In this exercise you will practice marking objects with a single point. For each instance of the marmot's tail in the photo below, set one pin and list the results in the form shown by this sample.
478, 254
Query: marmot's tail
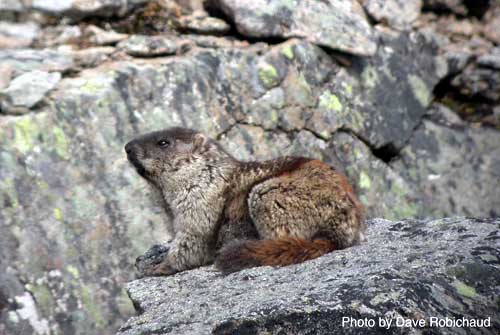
285, 251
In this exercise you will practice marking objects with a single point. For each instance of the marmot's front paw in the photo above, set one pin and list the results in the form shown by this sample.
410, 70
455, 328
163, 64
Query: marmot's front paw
162, 269
151, 259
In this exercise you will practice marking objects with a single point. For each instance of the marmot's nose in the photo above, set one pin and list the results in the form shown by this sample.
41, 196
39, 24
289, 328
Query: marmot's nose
128, 148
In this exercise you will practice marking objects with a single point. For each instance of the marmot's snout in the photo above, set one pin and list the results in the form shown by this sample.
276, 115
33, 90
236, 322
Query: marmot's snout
129, 147
131, 150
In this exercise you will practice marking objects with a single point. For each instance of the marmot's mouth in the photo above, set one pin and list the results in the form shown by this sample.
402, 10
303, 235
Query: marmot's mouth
137, 165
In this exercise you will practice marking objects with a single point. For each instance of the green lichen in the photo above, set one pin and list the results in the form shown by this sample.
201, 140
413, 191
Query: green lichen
325, 134
60, 143
464, 289
44, 299
268, 75
58, 214
73, 270
364, 181
91, 305
387, 71
25, 130
330, 101
288, 52
301, 91
420, 90
8, 190
124, 304
91, 86
369, 77
403, 208
348, 89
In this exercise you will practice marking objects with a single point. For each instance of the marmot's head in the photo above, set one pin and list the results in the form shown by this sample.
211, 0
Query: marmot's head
174, 154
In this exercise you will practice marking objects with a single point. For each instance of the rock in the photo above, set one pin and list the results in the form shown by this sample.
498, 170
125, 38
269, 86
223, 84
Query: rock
396, 13
204, 25
11, 5
100, 36
5, 75
92, 57
26, 60
214, 42
491, 60
407, 270
83, 8
53, 36
434, 167
455, 6
339, 25
492, 18
17, 35
480, 80
149, 46
27, 90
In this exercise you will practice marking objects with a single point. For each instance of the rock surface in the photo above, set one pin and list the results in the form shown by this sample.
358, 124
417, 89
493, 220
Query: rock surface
74, 215
82, 8
337, 24
407, 269
397, 13
26, 91
149, 46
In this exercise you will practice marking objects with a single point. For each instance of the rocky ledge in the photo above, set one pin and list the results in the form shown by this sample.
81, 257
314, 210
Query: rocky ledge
422, 275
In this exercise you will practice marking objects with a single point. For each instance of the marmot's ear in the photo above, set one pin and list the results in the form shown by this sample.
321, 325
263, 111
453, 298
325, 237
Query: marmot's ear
199, 141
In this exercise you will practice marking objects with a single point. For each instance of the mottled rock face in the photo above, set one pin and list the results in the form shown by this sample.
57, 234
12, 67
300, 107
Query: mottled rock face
27, 90
397, 13
336, 24
407, 269
355, 93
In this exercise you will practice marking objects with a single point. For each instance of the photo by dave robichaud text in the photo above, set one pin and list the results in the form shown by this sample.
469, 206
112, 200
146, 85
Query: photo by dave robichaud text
401, 322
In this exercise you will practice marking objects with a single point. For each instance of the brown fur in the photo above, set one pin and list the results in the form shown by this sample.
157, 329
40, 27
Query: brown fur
279, 252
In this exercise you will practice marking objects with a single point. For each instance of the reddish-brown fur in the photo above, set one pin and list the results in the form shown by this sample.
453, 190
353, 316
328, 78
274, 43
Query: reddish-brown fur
279, 252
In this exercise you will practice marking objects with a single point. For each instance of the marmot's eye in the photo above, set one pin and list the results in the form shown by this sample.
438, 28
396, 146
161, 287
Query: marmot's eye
163, 143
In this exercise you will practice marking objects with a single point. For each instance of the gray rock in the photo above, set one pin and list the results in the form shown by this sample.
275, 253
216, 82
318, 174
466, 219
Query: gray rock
396, 13
455, 6
204, 25
480, 80
82, 8
491, 60
26, 60
17, 35
338, 24
92, 57
27, 90
490, 29
431, 162
407, 270
5, 75
53, 36
149, 46
11, 5
100, 36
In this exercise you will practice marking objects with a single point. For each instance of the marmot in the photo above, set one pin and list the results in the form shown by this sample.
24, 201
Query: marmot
244, 214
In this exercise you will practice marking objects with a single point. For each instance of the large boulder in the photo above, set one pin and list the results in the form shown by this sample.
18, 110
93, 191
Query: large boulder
424, 272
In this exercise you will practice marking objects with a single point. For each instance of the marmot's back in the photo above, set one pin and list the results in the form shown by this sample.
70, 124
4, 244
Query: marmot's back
300, 214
